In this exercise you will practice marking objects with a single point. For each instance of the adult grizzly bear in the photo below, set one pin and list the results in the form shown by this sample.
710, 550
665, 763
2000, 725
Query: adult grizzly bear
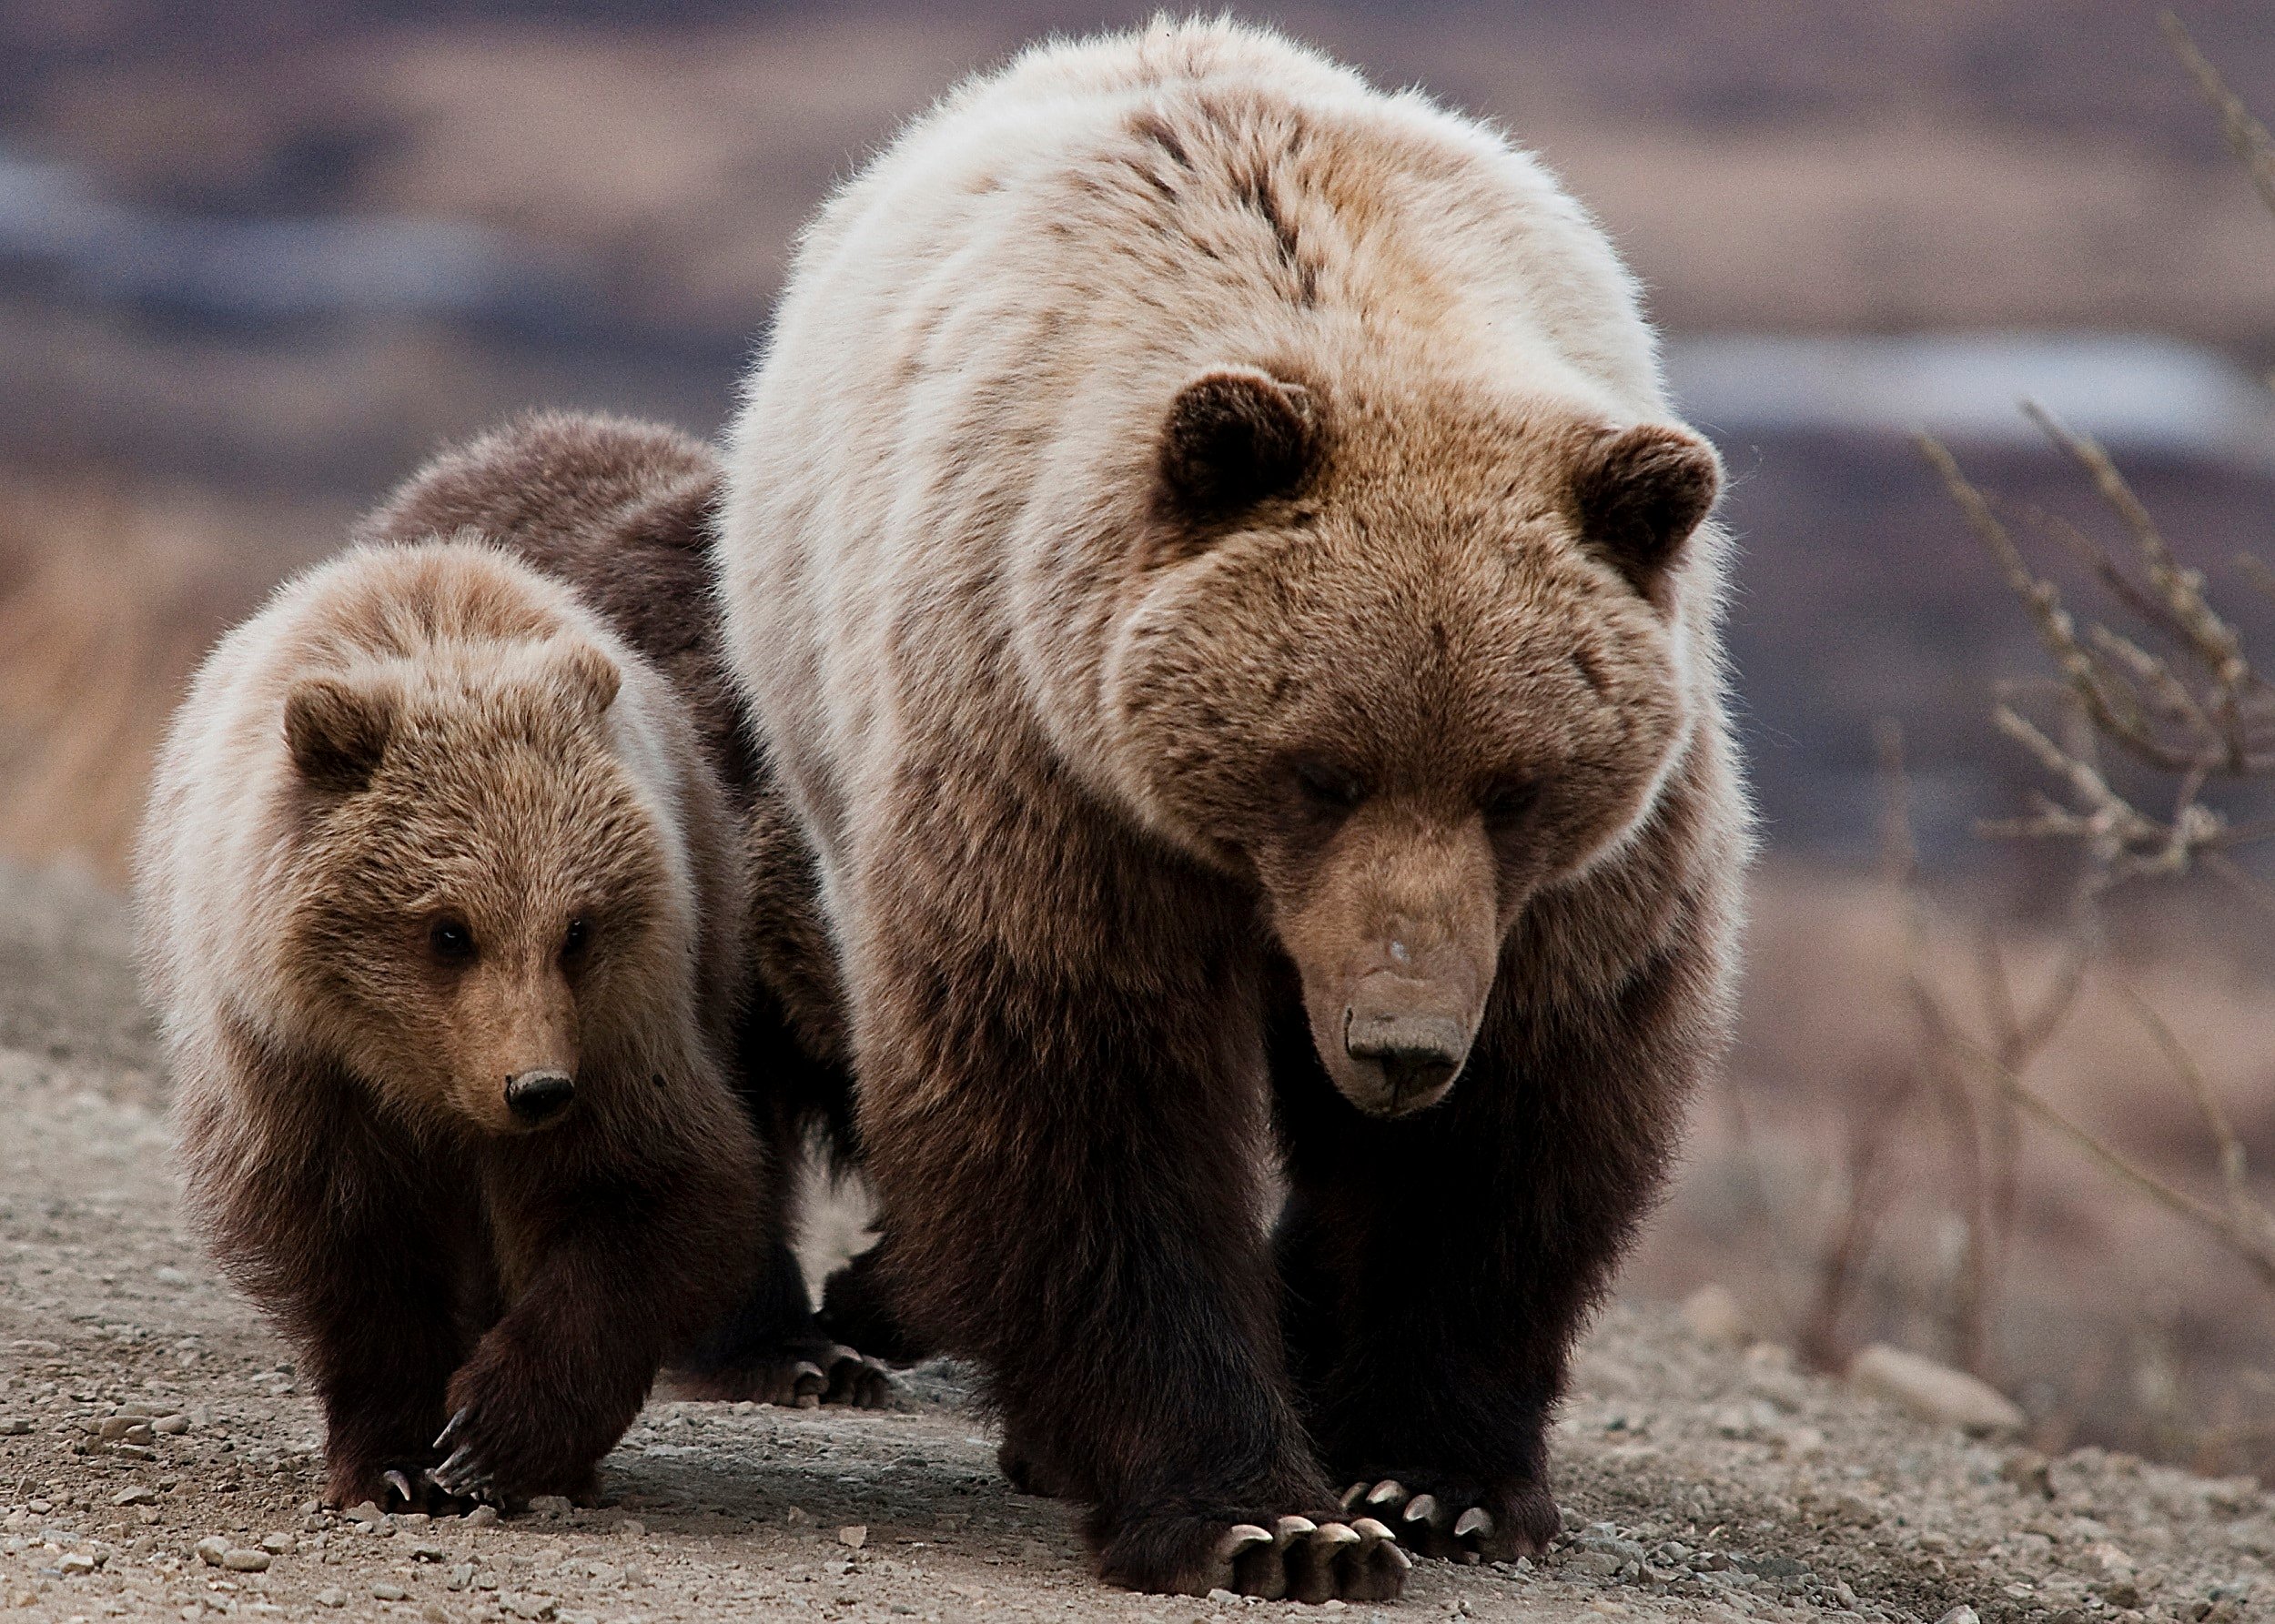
441, 910
1209, 548
619, 511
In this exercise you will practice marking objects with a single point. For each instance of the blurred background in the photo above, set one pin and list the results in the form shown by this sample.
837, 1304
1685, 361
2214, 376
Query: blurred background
259, 259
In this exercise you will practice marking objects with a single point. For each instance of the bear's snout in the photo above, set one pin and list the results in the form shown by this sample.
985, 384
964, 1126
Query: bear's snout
539, 1097
1405, 1045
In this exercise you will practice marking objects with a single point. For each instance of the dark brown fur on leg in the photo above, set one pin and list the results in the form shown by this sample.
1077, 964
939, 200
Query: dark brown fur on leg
1113, 1284
622, 1269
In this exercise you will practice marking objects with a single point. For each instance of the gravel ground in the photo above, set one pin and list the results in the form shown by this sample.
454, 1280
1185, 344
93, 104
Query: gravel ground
158, 1457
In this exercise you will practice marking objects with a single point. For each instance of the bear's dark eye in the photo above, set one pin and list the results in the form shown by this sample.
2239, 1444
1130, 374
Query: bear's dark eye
1508, 801
1327, 787
574, 939
451, 941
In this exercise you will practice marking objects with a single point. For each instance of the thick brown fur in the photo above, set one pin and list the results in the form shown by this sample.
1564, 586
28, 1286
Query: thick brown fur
619, 511
1228, 596
429, 847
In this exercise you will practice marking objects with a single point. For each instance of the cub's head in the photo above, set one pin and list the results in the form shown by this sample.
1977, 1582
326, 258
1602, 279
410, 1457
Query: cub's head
1406, 661
485, 898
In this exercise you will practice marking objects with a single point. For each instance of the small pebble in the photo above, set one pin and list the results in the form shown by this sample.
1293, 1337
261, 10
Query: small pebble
137, 1496
854, 1536
276, 1544
13, 1427
331, 1598
78, 1561
246, 1561
1961, 1614
385, 1591
481, 1517
211, 1550
170, 1275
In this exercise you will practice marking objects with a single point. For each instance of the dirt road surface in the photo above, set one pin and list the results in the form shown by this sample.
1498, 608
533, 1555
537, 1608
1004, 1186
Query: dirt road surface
159, 1459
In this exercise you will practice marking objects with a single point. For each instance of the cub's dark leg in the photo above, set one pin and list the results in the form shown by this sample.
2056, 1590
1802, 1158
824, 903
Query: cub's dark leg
369, 1274
1070, 1175
1439, 1266
615, 1270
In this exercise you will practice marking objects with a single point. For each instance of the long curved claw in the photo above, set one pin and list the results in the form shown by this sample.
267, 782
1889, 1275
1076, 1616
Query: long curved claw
1475, 1520
397, 1481
1236, 1549
1375, 1568
463, 1476
1312, 1562
451, 1428
1354, 1494
1386, 1491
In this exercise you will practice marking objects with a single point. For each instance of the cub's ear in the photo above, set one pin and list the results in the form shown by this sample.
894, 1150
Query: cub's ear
1641, 493
591, 676
337, 733
1233, 437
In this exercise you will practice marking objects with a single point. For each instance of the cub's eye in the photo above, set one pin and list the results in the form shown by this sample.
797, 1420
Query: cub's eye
574, 939
451, 941
1509, 801
1326, 786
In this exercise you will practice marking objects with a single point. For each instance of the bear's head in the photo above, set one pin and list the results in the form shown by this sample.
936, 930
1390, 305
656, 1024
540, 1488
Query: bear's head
487, 904
1406, 661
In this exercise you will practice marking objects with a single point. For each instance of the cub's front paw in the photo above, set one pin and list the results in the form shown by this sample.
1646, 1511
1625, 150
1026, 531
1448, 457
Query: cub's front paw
1290, 1557
1462, 1519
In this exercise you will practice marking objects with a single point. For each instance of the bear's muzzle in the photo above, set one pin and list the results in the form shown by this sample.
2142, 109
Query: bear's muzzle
539, 1097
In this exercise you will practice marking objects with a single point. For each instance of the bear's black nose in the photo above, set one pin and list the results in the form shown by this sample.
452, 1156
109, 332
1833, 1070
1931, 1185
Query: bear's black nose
1417, 1054
539, 1096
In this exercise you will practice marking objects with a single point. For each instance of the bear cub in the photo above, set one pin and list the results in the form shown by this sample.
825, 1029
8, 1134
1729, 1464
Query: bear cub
440, 907
619, 511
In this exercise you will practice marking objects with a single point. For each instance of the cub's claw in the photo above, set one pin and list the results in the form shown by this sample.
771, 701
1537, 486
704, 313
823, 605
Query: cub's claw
1475, 1521
401, 1486
462, 1476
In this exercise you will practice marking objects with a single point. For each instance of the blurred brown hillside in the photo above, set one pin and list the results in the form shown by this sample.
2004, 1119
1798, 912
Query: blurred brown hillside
1834, 168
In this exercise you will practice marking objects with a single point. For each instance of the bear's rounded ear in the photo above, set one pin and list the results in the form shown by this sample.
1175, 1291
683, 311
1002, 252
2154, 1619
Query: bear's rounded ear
1234, 437
337, 733
1641, 493
592, 676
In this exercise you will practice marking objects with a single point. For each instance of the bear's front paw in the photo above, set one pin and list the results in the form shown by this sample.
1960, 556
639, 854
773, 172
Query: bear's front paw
805, 1377
1463, 1520
1295, 1559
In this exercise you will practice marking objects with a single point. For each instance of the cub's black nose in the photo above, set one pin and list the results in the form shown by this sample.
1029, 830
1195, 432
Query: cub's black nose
536, 1097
